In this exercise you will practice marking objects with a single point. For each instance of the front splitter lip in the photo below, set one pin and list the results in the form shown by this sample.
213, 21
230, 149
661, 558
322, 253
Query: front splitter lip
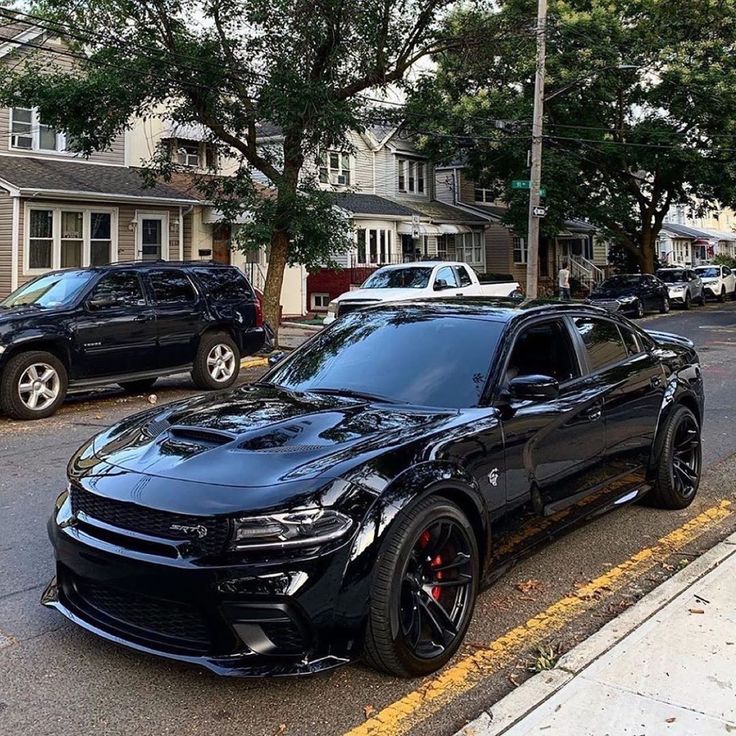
233, 666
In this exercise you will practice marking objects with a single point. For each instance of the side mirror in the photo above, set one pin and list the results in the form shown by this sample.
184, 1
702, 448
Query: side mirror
276, 357
534, 388
102, 302
440, 285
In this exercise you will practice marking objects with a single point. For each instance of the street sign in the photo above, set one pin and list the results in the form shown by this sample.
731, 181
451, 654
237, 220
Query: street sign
526, 184
539, 211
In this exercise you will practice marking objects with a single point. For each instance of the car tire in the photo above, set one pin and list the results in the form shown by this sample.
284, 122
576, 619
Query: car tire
665, 307
217, 363
677, 473
686, 304
142, 386
34, 385
404, 606
722, 295
639, 310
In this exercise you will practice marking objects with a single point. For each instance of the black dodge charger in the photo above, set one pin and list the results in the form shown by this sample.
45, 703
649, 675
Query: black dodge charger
354, 501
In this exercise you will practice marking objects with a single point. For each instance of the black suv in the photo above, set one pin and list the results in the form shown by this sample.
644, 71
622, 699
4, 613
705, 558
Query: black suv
128, 323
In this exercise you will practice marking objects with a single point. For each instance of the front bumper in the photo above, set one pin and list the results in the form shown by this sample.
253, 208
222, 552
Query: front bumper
711, 290
613, 305
248, 620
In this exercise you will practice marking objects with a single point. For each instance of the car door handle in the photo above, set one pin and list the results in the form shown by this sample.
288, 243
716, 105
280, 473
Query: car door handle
594, 414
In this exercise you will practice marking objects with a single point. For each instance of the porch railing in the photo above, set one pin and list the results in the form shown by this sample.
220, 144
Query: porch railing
585, 271
256, 274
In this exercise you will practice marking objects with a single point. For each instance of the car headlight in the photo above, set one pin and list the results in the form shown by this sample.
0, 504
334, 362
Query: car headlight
677, 289
627, 299
332, 309
307, 527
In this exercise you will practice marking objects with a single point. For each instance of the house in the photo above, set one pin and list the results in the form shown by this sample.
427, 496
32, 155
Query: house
683, 245
386, 186
506, 250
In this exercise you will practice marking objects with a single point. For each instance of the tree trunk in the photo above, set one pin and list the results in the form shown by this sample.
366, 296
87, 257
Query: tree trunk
647, 242
278, 257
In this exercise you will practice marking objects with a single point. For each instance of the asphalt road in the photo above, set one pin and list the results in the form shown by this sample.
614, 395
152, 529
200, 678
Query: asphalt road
56, 679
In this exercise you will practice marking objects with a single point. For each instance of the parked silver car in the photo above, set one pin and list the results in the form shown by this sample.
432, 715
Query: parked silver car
684, 285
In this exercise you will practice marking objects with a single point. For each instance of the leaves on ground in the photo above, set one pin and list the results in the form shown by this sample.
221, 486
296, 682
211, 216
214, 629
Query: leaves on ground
527, 586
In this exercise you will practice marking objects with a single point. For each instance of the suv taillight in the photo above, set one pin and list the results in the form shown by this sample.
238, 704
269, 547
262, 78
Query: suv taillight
259, 313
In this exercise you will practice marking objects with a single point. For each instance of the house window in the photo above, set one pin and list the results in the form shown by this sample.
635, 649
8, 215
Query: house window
520, 250
320, 301
66, 238
484, 195
334, 169
411, 176
28, 133
374, 246
187, 154
473, 247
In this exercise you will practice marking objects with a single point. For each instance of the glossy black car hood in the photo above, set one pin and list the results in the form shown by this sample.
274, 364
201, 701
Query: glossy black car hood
614, 292
259, 436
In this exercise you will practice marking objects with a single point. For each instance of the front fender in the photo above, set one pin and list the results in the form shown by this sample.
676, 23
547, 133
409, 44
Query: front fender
416, 483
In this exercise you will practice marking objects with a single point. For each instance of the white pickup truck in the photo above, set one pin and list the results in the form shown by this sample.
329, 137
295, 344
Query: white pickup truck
420, 280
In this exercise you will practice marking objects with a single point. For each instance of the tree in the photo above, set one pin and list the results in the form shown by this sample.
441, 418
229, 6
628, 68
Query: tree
301, 66
640, 112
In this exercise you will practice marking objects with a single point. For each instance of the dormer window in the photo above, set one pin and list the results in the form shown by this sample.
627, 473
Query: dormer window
28, 133
411, 176
193, 154
334, 169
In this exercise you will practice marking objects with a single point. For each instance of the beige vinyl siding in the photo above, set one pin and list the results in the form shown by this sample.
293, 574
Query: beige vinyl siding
386, 184
499, 249
126, 213
444, 186
6, 242
467, 188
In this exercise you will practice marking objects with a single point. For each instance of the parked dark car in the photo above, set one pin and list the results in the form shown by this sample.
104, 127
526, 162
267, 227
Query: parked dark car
354, 501
684, 285
632, 294
127, 324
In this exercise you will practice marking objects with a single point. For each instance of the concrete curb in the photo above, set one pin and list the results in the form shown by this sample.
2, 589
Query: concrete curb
258, 362
302, 326
511, 709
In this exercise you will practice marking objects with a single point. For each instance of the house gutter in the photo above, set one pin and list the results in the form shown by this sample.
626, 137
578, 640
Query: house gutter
67, 194
15, 243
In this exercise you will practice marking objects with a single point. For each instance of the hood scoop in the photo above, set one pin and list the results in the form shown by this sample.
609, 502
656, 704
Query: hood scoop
200, 435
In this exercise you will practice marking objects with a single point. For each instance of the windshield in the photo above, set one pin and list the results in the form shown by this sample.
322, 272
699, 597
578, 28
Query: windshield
672, 277
621, 282
52, 290
709, 271
399, 278
404, 355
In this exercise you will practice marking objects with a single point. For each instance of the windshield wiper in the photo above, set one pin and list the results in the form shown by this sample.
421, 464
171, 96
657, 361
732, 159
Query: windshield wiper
350, 393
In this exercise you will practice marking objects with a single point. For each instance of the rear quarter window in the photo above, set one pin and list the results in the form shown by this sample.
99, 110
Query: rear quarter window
224, 284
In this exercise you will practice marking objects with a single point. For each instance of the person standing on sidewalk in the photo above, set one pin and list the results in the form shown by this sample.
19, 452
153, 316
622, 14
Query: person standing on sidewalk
563, 281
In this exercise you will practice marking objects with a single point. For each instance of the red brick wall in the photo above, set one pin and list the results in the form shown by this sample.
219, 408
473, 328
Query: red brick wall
334, 283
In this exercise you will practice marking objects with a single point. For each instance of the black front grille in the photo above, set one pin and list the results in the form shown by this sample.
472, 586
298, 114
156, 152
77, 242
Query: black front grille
347, 307
151, 619
208, 535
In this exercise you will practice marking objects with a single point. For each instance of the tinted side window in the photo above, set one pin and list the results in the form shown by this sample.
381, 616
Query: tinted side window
124, 288
447, 275
464, 276
602, 341
224, 284
543, 349
172, 287
631, 341
726, 271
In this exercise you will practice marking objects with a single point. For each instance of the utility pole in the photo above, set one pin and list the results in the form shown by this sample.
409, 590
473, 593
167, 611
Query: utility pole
532, 264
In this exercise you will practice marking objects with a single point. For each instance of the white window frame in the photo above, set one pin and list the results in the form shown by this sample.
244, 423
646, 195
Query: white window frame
470, 243
35, 134
384, 245
56, 234
522, 248
332, 174
321, 296
487, 196
190, 160
141, 215
413, 172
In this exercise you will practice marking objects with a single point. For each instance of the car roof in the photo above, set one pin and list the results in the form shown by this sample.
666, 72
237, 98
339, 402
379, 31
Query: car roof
145, 266
422, 264
496, 309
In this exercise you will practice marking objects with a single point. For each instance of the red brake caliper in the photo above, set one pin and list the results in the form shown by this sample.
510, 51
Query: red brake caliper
437, 590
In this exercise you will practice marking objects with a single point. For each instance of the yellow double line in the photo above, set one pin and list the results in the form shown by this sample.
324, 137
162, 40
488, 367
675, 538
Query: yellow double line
419, 705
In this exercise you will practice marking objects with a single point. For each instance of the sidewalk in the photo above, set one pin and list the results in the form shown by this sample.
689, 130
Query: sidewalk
665, 666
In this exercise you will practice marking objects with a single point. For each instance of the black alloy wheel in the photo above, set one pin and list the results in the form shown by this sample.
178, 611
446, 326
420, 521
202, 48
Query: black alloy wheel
665, 306
424, 590
639, 309
686, 305
680, 462
722, 295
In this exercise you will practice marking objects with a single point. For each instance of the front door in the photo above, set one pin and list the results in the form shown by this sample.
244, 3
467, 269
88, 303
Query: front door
116, 333
152, 238
221, 243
